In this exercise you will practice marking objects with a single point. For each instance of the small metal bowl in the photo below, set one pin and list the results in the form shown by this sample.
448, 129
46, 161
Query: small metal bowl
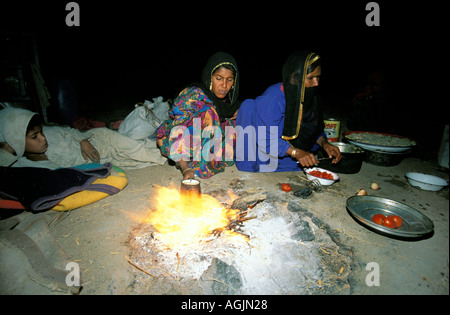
425, 181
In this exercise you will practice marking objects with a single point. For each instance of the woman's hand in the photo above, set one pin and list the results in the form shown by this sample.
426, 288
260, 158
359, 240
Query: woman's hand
89, 152
160, 142
306, 159
333, 152
188, 173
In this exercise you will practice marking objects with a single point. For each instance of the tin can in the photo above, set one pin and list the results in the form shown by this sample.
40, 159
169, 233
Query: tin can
190, 190
332, 128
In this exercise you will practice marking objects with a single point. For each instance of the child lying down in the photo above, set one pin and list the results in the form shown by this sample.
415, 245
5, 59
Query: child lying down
25, 142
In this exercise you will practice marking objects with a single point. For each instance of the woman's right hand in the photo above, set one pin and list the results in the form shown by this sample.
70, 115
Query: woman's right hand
306, 159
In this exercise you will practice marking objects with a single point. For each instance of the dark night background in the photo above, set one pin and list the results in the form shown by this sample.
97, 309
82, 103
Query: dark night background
124, 52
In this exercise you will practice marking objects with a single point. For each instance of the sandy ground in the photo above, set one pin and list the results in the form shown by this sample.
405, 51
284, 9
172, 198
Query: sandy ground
99, 236
323, 249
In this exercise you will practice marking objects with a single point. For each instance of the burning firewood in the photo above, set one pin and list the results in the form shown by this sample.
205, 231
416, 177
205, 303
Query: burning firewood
180, 222
243, 202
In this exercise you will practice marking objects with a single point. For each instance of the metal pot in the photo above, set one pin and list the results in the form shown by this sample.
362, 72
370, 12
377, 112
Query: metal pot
352, 158
384, 158
190, 190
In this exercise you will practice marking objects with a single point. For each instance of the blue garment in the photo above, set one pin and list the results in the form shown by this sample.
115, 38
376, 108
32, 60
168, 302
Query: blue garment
259, 126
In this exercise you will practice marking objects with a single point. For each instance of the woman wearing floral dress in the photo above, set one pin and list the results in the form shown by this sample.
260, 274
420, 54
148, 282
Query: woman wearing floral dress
199, 134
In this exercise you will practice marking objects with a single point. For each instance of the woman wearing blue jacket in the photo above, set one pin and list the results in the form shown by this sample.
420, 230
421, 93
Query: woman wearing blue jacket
279, 130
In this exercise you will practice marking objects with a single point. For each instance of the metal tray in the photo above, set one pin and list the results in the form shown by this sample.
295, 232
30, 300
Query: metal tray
415, 224
379, 148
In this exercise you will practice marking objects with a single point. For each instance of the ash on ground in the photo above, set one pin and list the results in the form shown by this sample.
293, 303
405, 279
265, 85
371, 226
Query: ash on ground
287, 254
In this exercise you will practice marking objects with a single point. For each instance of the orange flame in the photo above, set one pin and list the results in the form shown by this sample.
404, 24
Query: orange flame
181, 222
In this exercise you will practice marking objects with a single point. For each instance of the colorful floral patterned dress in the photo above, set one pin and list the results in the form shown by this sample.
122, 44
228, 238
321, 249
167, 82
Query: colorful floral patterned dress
194, 133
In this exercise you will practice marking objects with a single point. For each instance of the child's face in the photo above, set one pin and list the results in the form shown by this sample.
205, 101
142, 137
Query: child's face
35, 141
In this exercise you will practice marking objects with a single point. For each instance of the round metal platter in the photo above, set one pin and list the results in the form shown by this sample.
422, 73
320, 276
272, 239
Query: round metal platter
363, 208
381, 149
378, 148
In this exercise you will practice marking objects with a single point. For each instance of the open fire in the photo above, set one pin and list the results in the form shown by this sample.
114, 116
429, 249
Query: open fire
198, 219
203, 246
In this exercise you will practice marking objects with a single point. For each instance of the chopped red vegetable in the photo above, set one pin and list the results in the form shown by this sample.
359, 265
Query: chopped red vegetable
324, 175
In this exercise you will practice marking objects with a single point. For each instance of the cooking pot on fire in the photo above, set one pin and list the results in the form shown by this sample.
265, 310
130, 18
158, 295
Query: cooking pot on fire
190, 190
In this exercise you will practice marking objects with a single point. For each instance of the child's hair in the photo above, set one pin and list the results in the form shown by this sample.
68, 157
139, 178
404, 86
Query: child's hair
34, 121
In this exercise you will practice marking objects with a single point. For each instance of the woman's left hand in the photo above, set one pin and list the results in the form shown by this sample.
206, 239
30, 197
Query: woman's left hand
189, 174
333, 152
89, 151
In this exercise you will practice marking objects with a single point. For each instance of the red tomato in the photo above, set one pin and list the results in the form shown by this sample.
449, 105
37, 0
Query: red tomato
388, 222
324, 175
378, 218
286, 187
397, 220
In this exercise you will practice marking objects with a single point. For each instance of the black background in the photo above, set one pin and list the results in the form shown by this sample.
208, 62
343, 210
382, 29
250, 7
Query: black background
136, 50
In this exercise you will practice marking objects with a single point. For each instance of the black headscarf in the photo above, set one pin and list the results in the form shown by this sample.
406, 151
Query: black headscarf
303, 122
225, 107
